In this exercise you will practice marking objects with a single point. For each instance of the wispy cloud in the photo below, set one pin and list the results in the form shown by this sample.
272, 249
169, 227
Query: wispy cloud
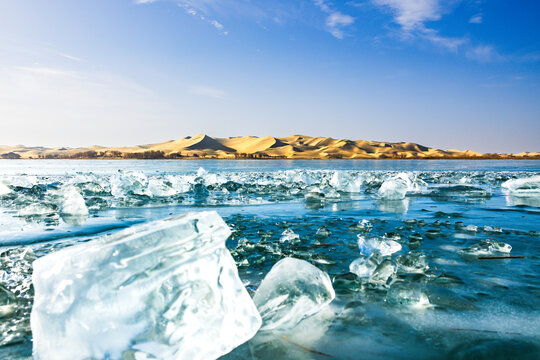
80, 102
46, 71
198, 13
450, 43
483, 54
70, 57
412, 16
477, 19
197, 9
335, 21
207, 91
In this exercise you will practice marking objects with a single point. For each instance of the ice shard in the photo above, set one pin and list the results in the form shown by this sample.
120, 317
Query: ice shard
395, 187
385, 246
167, 289
364, 266
72, 202
292, 290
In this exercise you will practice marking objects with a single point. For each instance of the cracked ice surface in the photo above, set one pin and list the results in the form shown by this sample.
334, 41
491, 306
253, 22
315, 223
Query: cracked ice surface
167, 289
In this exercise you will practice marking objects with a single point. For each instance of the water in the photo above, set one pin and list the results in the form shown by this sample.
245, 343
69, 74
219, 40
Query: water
433, 298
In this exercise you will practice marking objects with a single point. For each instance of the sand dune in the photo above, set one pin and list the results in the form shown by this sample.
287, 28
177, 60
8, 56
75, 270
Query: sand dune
291, 147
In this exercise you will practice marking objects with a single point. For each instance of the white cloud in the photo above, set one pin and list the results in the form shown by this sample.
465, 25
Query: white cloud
335, 21
477, 19
412, 14
449, 43
207, 91
144, 1
483, 54
197, 13
218, 26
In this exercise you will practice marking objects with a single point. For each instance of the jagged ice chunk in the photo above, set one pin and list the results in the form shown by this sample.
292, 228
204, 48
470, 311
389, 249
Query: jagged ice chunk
292, 290
167, 289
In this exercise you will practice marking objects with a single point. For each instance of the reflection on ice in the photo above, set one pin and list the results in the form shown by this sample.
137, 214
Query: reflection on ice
393, 206
299, 342
533, 201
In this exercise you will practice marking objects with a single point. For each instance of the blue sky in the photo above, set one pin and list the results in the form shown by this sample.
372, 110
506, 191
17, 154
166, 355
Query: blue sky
447, 74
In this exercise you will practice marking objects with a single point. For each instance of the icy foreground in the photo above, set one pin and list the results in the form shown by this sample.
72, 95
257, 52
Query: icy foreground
167, 289
292, 290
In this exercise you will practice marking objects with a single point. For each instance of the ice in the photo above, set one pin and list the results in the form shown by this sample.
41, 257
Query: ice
129, 183
15, 295
496, 349
383, 246
314, 195
492, 229
323, 232
407, 294
73, 203
364, 266
289, 236
201, 172
38, 209
383, 272
4, 189
412, 262
529, 186
292, 290
167, 289
346, 182
487, 247
396, 187
365, 225
158, 187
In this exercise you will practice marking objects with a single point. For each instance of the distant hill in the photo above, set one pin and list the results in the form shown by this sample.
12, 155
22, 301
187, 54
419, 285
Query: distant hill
253, 147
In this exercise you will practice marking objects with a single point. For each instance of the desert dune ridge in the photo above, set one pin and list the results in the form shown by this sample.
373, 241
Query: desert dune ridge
203, 146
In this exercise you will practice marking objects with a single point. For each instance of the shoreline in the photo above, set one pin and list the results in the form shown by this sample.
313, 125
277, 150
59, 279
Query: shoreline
301, 147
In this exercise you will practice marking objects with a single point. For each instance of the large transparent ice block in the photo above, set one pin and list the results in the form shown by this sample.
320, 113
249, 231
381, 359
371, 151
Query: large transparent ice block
167, 289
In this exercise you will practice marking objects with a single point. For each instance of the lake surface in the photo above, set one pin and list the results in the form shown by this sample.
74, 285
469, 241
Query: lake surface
446, 296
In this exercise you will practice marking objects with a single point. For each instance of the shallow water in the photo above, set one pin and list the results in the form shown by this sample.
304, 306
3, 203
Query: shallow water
451, 304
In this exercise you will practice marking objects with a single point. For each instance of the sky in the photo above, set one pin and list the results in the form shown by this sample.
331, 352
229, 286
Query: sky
450, 74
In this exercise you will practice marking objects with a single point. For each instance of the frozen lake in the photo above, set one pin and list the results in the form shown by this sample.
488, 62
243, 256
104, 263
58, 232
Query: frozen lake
446, 295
